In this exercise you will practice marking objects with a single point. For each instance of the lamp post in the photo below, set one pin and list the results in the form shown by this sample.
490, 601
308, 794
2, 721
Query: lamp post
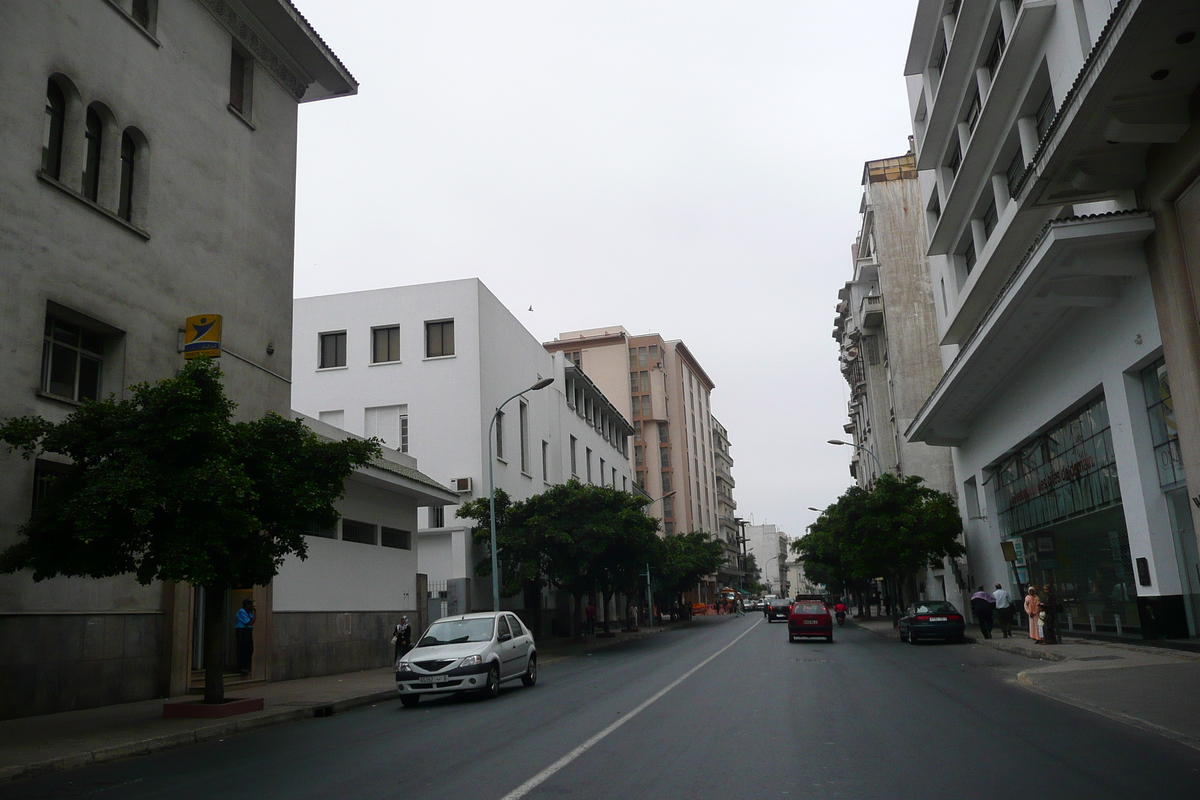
878, 463
542, 384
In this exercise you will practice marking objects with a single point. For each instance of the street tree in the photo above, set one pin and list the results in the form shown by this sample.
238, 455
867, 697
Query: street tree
685, 559
166, 486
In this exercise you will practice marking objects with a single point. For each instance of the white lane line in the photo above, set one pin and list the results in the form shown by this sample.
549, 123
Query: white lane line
531, 784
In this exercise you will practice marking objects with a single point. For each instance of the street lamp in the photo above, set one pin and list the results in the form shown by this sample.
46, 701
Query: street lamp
542, 384
878, 463
819, 511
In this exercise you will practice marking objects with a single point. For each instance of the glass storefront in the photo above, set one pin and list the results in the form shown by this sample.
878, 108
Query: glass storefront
1058, 497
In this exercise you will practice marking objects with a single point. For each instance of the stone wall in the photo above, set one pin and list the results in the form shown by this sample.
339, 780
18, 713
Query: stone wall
309, 643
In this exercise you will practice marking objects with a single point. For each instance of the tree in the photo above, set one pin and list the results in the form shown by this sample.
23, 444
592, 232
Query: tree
889, 531
686, 558
166, 486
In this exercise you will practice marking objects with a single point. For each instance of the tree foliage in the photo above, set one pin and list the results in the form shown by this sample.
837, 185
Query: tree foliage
688, 557
166, 486
889, 531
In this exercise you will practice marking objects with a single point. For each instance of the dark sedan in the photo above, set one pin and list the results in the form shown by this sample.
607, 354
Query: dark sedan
778, 609
810, 618
932, 619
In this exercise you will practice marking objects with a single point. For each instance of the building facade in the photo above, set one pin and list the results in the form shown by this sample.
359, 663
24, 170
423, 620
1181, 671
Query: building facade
150, 176
1035, 123
769, 547
424, 368
729, 530
886, 328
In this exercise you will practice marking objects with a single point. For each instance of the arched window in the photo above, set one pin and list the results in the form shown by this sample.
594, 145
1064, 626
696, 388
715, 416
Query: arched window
128, 151
91, 167
52, 137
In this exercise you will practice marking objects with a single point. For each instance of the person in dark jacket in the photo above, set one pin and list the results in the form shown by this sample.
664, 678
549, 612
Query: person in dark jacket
402, 637
982, 606
1050, 606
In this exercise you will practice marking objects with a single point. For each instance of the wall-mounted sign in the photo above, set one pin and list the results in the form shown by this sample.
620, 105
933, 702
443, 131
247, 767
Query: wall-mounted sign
202, 336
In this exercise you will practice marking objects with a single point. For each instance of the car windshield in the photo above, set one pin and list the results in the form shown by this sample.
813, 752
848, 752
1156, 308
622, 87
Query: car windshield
934, 607
808, 607
457, 631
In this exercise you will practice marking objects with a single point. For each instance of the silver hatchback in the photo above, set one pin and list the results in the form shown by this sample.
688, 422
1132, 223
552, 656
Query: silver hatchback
471, 652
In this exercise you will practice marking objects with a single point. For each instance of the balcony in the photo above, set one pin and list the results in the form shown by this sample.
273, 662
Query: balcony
870, 311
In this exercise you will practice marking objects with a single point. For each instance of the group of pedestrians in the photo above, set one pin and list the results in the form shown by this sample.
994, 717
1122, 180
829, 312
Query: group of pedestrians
1041, 609
989, 607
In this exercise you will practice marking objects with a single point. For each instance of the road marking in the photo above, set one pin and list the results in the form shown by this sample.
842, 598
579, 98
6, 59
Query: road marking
531, 784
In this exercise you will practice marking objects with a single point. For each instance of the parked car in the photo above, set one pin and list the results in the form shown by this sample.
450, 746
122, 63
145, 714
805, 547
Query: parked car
932, 619
809, 618
471, 652
778, 608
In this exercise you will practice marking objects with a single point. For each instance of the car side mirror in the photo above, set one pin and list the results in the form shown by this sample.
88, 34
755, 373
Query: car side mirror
504, 637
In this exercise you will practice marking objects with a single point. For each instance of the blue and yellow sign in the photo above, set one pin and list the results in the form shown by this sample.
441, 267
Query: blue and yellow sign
202, 336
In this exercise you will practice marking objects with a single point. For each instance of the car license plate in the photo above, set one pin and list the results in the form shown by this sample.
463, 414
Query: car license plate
937, 619
431, 679
810, 622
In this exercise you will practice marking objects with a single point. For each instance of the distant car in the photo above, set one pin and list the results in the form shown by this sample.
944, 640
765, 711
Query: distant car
756, 604
932, 619
471, 652
809, 618
778, 609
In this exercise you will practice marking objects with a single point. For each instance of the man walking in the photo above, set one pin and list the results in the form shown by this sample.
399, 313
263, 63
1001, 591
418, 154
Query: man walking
1004, 610
981, 605
243, 630
590, 614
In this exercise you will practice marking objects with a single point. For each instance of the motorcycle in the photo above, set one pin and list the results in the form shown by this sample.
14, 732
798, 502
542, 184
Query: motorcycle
841, 618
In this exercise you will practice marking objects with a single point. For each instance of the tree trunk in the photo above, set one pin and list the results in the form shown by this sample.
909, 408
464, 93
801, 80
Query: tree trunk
214, 644
576, 620
607, 599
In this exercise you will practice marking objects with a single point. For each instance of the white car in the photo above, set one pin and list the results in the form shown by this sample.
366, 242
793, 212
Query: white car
471, 652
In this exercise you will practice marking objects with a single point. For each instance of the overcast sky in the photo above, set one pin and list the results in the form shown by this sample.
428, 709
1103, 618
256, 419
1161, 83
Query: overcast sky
688, 168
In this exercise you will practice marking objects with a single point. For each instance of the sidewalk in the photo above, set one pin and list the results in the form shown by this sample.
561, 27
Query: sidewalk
1151, 688
31, 745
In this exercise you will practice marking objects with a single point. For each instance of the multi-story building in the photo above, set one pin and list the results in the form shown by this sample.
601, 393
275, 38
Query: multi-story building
424, 368
769, 546
149, 175
733, 574
886, 327
1044, 130
666, 393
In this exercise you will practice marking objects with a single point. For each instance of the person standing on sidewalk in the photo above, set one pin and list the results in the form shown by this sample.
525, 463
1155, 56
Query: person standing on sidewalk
1032, 608
243, 630
402, 638
981, 606
589, 614
1050, 612
1004, 610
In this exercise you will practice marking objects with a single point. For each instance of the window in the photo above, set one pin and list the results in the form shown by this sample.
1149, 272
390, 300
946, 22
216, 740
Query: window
639, 478
499, 423
523, 420
669, 528
125, 202
935, 207
614, 478
663, 436
72, 357
955, 160
317, 529
94, 134
439, 338
355, 531
574, 460
996, 51
638, 458
385, 344
575, 357
545, 461
241, 77
973, 111
969, 257
1164, 434
403, 448
140, 11
989, 219
394, 537
45, 473
668, 507
333, 350
1016, 168
1045, 115
587, 454
52, 135
666, 482
437, 517
389, 424
664, 458
939, 55
602, 472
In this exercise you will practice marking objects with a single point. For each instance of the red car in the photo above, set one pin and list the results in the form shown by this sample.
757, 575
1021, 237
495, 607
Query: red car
809, 618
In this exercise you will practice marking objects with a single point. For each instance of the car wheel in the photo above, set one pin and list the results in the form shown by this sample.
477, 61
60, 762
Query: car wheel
491, 689
409, 700
791, 638
829, 638
912, 637
530, 676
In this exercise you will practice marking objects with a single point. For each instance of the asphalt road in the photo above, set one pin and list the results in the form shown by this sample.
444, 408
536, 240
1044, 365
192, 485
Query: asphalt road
724, 709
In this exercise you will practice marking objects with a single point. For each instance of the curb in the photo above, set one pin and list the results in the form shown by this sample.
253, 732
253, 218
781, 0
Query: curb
170, 741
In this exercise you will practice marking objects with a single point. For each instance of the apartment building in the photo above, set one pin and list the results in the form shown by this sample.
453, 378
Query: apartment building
886, 329
424, 368
733, 573
769, 546
1043, 131
150, 175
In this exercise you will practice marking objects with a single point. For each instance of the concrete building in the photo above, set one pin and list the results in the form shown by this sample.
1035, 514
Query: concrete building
734, 572
886, 327
150, 176
424, 367
1036, 126
769, 546
663, 389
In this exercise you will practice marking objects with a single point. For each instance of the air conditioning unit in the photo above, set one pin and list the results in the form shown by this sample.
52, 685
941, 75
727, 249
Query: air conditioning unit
462, 485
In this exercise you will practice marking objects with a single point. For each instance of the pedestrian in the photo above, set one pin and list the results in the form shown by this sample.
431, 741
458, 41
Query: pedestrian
1032, 609
402, 637
741, 610
243, 630
981, 606
590, 614
1050, 616
1004, 610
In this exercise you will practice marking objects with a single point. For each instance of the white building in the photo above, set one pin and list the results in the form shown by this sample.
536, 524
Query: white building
769, 546
149, 175
1054, 398
424, 367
